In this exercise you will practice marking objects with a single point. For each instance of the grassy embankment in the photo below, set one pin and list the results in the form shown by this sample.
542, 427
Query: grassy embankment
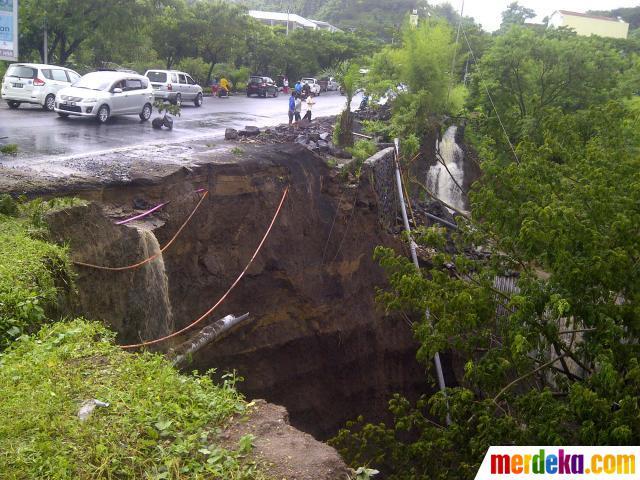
159, 424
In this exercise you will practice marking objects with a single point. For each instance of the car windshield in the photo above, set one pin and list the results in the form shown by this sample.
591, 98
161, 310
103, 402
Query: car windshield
21, 71
94, 81
255, 80
308, 80
160, 77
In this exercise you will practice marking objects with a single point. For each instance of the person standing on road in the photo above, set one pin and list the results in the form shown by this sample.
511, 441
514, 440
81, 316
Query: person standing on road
298, 87
310, 104
298, 108
225, 87
292, 106
285, 85
306, 90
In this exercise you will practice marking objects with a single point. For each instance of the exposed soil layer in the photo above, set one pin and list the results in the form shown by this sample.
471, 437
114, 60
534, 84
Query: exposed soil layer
318, 343
288, 453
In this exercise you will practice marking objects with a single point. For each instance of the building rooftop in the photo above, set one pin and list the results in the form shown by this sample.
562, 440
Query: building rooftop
282, 17
320, 23
586, 15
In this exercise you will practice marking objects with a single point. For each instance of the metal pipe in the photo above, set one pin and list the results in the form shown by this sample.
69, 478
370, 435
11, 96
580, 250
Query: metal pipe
403, 207
209, 334
414, 256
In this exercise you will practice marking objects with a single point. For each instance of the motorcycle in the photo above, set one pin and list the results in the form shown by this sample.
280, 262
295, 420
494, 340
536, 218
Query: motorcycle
223, 93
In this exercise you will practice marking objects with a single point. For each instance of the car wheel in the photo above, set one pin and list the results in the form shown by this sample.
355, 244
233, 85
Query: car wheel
275, 93
248, 94
13, 104
103, 114
145, 115
198, 101
178, 100
49, 103
63, 115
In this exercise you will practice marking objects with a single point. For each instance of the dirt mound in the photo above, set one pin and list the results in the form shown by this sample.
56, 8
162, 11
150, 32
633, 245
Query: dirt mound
290, 454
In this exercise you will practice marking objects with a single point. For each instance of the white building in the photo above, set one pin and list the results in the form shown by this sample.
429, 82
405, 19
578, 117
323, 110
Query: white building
291, 21
326, 26
586, 25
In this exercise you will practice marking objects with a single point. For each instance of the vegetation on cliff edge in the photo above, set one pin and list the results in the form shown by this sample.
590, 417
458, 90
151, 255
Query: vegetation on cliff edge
159, 424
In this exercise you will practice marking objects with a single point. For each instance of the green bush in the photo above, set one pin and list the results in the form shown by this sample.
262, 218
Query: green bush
159, 424
197, 68
363, 149
8, 206
239, 75
378, 128
223, 70
33, 274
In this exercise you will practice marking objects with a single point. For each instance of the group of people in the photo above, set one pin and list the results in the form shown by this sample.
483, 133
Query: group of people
221, 88
300, 88
295, 106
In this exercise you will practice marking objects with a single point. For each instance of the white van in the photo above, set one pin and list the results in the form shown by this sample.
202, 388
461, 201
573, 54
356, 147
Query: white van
35, 83
175, 87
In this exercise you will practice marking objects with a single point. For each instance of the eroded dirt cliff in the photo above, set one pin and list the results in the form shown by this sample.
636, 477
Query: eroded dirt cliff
318, 343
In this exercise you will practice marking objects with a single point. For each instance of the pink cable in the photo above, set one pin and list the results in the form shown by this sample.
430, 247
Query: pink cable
223, 298
148, 212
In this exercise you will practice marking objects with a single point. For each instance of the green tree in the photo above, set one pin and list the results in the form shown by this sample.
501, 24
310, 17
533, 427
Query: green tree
530, 74
553, 359
515, 14
172, 32
348, 75
553, 362
221, 31
71, 23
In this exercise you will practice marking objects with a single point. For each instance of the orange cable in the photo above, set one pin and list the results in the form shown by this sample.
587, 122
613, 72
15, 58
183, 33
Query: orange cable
222, 299
154, 256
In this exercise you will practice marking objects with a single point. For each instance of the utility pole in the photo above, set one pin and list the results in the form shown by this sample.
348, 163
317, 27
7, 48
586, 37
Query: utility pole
45, 43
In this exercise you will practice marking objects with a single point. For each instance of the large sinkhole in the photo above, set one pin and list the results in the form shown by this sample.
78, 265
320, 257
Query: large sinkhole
317, 342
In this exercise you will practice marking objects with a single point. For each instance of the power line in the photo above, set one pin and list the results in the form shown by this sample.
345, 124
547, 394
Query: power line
515, 155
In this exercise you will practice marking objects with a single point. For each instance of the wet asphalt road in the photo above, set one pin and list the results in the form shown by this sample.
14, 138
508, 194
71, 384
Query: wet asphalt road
45, 136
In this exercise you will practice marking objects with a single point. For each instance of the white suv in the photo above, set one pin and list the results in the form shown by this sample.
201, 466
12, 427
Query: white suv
175, 87
35, 83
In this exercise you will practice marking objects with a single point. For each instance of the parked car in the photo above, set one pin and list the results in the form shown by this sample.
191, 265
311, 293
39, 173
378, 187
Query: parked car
105, 94
261, 86
313, 83
175, 87
35, 83
328, 84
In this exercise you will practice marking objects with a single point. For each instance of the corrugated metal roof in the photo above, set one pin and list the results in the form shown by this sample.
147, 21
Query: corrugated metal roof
282, 17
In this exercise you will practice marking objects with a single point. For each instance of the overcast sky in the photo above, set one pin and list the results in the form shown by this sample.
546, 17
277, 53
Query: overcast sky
487, 12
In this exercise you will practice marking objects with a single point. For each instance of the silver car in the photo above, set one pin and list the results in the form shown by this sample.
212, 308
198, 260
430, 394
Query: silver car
175, 87
105, 94
35, 83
